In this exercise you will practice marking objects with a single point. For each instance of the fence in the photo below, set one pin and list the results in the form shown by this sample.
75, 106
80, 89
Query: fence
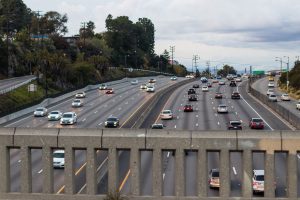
136, 141
291, 117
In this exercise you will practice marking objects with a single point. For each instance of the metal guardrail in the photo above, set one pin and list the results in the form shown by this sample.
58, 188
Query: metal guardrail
292, 118
16, 86
136, 141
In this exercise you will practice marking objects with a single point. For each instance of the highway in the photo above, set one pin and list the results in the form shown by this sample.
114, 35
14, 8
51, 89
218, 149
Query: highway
13, 82
262, 86
128, 98
205, 117
97, 107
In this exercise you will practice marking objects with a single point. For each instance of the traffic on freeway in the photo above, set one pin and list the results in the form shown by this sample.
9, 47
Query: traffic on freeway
195, 106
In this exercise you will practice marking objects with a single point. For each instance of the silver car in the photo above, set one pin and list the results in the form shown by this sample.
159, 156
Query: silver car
68, 118
77, 103
222, 109
40, 112
273, 97
54, 115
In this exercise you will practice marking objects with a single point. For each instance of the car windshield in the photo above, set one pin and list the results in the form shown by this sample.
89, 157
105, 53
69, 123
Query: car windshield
188, 106
39, 109
215, 174
272, 95
260, 178
58, 155
80, 93
103, 85
112, 119
54, 113
157, 126
67, 116
257, 120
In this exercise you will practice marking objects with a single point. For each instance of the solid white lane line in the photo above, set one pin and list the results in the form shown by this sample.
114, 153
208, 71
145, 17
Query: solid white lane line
40, 171
234, 170
255, 111
168, 155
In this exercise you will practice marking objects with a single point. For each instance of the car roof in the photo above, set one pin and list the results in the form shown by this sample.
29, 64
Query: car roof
235, 121
259, 172
166, 111
221, 105
69, 113
40, 108
256, 118
54, 111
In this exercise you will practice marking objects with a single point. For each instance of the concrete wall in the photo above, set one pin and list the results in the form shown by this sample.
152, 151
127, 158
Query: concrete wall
137, 140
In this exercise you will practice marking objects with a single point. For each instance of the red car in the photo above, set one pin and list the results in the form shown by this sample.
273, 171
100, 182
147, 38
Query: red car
218, 95
109, 91
256, 123
209, 84
188, 108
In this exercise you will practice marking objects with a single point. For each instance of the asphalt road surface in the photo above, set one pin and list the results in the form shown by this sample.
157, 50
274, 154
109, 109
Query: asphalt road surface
127, 99
8, 83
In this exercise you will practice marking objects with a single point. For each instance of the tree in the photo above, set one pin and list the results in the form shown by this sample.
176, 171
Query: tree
50, 23
226, 70
88, 30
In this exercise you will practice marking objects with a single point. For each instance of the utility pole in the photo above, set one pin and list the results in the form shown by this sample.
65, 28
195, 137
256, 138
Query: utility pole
84, 24
38, 24
7, 42
172, 49
287, 72
208, 64
195, 59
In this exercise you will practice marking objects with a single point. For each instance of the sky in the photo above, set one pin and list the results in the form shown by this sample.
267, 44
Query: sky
235, 32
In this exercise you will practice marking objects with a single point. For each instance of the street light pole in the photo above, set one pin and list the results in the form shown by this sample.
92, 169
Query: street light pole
287, 72
280, 60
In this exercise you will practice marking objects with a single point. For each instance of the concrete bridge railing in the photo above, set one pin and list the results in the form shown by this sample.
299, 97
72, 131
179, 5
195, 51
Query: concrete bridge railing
138, 140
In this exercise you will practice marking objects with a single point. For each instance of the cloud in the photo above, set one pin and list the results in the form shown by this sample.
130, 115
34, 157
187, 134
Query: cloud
214, 28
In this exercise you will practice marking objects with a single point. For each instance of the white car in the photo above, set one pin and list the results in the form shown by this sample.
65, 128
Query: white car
222, 108
221, 83
204, 88
68, 118
271, 84
285, 97
150, 88
166, 114
270, 91
273, 97
258, 181
103, 86
134, 82
40, 112
54, 115
59, 159
77, 103
238, 80
143, 86
80, 95
173, 78
298, 105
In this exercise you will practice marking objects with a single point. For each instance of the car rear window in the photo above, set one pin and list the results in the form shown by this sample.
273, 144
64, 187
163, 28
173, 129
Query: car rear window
235, 123
40, 109
112, 119
54, 113
166, 112
257, 120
